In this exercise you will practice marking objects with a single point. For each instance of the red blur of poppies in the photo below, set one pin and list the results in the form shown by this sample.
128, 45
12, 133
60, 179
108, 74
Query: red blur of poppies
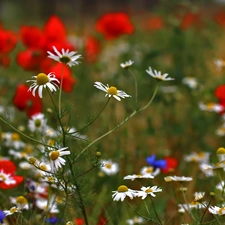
220, 94
190, 19
25, 101
92, 48
171, 164
38, 41
114, 25
154, 23
8, 167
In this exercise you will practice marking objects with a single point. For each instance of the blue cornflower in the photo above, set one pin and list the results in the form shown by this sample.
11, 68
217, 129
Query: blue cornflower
53, 220
2, 216
161, 163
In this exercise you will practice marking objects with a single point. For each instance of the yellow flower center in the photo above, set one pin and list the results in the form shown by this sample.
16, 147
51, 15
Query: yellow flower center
42, 79
108, 165
210, 105
149, 170
15, 137
221, 210
220, 150
149, 190
32, 160
65, 59
122, 188
37, 123
21, 200
2, 177
54, 155
43, 167
13, 209
112, 90
51, 179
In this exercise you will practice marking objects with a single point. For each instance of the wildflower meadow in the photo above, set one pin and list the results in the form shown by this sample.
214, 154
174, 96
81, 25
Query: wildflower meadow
114, 118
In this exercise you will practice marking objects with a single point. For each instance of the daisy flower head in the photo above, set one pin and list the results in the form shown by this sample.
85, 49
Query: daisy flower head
109, 167
111, 91
127, 64
221, 154
68, 57
191, 82
42, 81
122, 192
157, 75
145, 191
56, 160
37, 123
150, 170
198, 196
211, 107
217, 210
138, 176
177, 178
135, 220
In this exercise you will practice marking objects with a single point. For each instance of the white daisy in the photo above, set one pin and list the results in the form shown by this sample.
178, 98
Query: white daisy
126, 64
6, 178
200, 157
37, 123
177, 178
191, 82
138, 176
42, 81
122, 192
198, 196
207, 169
157, 75
111, 91
211, 107
219, 64
221, 154
221, 130
217, 210
11, 211
67, 57
47, 205
56, 161
220, 186
109, 167
145, 191
150, 170
135, 220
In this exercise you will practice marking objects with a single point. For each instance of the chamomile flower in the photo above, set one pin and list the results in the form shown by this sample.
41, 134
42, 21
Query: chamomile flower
56, 160
219, 64
111, 91
217, 210
150, 170
191, 82
11, 211
37, 123
68, 57
198, 196
177, 178
126, 64
135, 220
42, 81
109, 167
200, 157
123, 192
211, 107
145, 191
6, 178
138, 176
157, 75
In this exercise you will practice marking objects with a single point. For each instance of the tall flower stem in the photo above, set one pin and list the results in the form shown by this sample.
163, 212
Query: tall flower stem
153, 206
120, 124
60, 90
135, 88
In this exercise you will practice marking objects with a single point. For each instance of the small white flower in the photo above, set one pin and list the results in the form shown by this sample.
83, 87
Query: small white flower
42, 81
111, 91
122, 192
109, 167
126, 64
221, 130
150, 170
157, 75
6, 178
200, 157
220, 186
138, 176
198, 196
37, 123
219, 64
67, 57
13, 210
207, 169
56, 161
145, 191
217, 210
47, 205
191, 82
211, 107
177, 178
135, 220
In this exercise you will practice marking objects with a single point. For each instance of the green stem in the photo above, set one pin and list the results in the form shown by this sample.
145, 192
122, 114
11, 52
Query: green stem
60, 90
135, 88
120, 124
153, 206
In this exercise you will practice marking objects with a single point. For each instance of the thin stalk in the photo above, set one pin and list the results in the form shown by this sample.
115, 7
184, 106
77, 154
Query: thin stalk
135, 88
60, 90
153, 206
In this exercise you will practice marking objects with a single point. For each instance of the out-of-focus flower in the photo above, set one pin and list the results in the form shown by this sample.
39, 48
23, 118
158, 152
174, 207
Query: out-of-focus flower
92, 48
220, 186
2, 216
42, 81
135, 220
8, 41
47, 205
190, 19
219, 64
150, 170
198, 196
211, 107
207, 169
217, 210
111, 91
171, 164
191, 82
25, 101
220, 94
123, 192
109, 167
161, 163
221, 154
37, 123
220, 17
138, 176
67, 57
68, 81
56, 160
113, 25
200, 157
154, 23
177, 178
157, 75
221, 130
79, 221
145, 191
127, 64
8, 179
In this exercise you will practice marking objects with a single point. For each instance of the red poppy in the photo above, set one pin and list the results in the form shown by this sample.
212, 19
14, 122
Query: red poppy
102, 220
7, 168
220, 92
79, 221
92, 49
25, 101
68, 79
8, 41
113, 25
154, 23
171, 164
4, 60
190, 19
220, 18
